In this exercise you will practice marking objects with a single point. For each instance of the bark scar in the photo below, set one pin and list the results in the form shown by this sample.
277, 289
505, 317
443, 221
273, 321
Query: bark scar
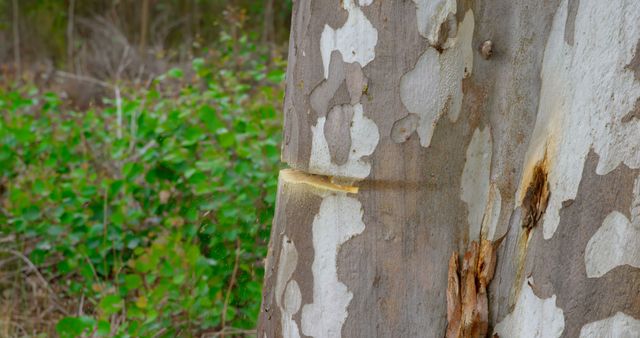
467, 299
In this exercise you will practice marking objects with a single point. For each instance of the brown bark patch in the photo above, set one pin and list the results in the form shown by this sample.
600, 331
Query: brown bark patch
536, 196
534, 205
447, 29
633, 114
634, 65
475, 99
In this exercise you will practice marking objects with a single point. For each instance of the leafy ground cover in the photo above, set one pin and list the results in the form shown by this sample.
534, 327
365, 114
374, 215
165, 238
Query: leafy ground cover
146, 215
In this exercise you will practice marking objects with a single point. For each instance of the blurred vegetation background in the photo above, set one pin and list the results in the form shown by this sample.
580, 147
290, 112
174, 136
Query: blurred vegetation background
139, 152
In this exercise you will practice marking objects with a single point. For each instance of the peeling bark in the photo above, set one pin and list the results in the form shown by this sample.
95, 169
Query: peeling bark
467, 301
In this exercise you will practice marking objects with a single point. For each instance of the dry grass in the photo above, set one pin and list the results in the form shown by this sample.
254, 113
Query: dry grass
30, 305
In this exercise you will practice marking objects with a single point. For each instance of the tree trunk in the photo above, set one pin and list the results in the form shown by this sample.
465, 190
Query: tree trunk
144, 26
459, 169
70, 40
268, 28
16, 38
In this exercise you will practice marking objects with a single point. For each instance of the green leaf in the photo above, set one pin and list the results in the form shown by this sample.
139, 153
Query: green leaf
110, 304
31, 213
175, 73
132, 282
71, 327
197, 64
103, 329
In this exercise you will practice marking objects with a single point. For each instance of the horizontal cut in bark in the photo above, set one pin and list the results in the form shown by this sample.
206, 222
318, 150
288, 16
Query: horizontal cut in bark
315, 181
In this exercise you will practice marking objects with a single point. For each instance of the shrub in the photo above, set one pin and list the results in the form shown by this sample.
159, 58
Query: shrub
147, 215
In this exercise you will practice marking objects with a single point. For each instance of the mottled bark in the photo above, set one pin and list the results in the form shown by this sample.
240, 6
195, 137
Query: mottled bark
459, 168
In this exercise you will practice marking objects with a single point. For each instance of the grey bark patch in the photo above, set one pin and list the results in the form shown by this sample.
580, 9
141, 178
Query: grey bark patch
337, 133
397, 268
341, 96
304, 71
345, 84
633, 114
634, 65
356, 82
325, 91
404, 128
569, 27
297, 206
558, 265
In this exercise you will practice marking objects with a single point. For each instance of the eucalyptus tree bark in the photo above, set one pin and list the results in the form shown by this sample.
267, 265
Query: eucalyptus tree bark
459, 169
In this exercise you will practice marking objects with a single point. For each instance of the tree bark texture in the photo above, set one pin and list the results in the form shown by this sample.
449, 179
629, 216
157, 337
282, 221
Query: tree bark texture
459, 169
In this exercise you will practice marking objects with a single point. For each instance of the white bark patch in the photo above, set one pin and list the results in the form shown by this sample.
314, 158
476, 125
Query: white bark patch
619, 326
356, 40
434, 85
492, 214
364, 139
431, 14
339, 219
586, 91
286, 266
475, 179
616, 243
292, 301
532, 317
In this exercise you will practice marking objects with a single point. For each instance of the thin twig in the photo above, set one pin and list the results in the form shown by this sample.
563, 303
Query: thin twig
228, 330
93, 269
7, 239
81, 305
8, 260
232, 281
142, 151
83, 78
45, 312
160, 332
119, 111
134, 116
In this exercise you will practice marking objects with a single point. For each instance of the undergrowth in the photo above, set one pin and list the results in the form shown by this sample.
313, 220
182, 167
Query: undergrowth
146, 215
